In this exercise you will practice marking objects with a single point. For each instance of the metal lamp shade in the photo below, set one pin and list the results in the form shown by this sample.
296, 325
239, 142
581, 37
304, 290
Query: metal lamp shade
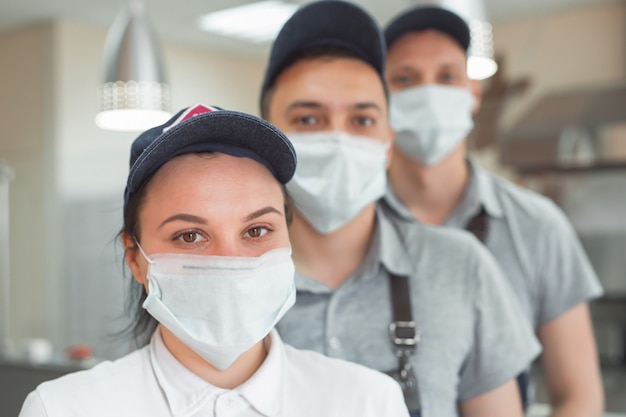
134, 95
480, 61
480, 58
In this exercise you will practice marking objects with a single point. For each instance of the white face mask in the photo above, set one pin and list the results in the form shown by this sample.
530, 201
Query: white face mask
337, 176
220, 306
430, 121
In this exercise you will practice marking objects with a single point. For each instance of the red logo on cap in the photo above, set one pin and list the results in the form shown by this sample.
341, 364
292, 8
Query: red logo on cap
189, 113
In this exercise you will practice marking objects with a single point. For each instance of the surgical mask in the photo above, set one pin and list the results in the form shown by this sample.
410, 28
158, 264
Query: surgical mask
337, 176
220, 306
430, 121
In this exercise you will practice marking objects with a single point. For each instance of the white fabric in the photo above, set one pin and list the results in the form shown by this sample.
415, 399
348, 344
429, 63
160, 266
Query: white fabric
431, 120
220, 306
337, 176
151, 382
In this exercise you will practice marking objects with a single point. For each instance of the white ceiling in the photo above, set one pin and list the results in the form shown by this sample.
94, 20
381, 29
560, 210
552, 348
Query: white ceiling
175, 20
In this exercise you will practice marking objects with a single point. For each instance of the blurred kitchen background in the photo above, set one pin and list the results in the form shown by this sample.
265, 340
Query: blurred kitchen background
553, 119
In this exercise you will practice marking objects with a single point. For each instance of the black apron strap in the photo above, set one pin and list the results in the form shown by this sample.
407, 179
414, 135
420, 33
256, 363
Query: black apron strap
403, 331
405, 337
479, 227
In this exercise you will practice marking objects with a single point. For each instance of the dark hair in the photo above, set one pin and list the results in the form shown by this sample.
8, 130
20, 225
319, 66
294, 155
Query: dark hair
323, 51
143, 324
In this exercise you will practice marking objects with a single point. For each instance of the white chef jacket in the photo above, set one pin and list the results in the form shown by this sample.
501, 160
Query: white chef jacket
151, 382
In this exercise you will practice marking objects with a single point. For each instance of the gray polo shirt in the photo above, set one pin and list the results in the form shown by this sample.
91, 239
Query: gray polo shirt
471, 338
532, 241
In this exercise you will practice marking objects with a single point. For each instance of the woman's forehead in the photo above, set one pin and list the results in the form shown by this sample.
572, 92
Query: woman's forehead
213, 177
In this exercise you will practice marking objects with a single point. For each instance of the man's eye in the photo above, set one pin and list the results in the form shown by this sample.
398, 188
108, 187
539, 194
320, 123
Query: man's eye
364, 121
306, 120
401, 80
449, 77
190, 237
256, 232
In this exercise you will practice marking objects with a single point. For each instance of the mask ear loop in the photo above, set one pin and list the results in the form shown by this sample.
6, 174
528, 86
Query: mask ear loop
146, 257
153, 289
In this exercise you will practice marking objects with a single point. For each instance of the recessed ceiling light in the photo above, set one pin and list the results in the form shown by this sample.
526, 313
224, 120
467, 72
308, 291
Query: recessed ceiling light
256, 22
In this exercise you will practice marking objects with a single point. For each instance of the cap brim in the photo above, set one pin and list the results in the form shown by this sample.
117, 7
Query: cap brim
429, 17
219, 131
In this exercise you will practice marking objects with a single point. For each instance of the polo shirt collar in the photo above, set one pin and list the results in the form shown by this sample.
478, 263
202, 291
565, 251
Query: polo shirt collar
304, 283
392, 252
392, 200
187, 393
386, 249
480, 192
266, 388
483, 188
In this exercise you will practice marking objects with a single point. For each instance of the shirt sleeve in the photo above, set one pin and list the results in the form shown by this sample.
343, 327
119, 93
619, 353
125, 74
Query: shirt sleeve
33, 406
567, 277
504, 342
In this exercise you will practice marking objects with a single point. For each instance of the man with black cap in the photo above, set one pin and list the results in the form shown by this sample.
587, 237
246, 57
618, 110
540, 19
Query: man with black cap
432, 180
429, 306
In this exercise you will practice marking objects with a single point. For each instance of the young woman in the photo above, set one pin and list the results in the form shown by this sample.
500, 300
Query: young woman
205, 236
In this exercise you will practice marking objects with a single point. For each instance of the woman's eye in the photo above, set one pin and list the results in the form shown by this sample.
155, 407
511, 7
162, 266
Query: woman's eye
257, 231
190, 237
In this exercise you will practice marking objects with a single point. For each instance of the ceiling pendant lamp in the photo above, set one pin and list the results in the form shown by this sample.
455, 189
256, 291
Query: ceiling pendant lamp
481, 63
134, 95
480, 58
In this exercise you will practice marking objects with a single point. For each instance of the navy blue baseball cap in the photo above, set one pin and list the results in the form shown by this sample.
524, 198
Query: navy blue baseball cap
210, 129
326, 23
428, 17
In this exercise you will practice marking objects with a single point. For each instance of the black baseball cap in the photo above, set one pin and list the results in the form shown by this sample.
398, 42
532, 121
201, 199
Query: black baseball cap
326, 23
429, 17
210, 129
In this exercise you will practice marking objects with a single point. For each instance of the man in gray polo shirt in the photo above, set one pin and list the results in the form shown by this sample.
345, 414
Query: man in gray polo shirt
432, 180
324, 87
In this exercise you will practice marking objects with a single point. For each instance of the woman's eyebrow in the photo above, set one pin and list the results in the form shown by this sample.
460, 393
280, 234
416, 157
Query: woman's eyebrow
260, 212
184, 217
